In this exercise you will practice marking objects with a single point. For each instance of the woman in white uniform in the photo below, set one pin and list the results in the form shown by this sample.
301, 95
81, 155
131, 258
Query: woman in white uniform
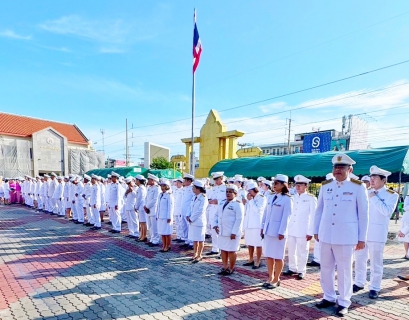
197, 219
164, 214
274, 229
252, 224
228, 225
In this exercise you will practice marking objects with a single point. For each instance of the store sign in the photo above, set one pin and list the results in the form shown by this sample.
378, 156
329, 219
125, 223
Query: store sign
317, 142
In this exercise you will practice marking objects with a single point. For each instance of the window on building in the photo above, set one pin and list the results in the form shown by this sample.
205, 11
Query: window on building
285, 151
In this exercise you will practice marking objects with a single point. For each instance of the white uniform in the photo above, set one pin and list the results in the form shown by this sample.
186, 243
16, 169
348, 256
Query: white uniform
6, 191
252, 220
152, 198
85, 200
140, 203
58, 199
381, 208
79, 191
166, 206
275, 222
95, 204
186, 201
52, 203
301, 225
197, 216
133, 220
341, 220
177, 213
66, 195
46, 201
115, 205
405, 223
216, 193
102, 191
40, 195
73, 198
229, 218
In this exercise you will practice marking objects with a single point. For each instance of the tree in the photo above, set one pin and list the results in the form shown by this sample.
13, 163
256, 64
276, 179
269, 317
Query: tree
161, 163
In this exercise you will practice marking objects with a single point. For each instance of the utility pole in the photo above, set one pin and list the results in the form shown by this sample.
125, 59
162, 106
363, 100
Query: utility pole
289, 135
127, 147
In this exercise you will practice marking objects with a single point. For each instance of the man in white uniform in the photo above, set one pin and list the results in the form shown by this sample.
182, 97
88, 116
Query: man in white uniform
95, 203
382, 203
186, 201
86, 196
46, 201
300, 227
151, 205
58, 197
132, 215
216, 195
177, 213
341, 226
115, 203
51, 188
79, 200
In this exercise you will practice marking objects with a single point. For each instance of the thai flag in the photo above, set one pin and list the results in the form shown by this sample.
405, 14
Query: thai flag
197, 46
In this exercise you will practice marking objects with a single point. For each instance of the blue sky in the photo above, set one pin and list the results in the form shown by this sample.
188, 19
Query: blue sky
95, 63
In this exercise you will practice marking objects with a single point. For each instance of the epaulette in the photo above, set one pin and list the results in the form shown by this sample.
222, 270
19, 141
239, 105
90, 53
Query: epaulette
203, 195
390, 191
327, 181
356, 181
310, 194
262, 195
287, 194
238, 201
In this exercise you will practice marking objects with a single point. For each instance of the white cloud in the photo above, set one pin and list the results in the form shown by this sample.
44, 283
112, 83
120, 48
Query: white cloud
112, 50
104, 31
12, 35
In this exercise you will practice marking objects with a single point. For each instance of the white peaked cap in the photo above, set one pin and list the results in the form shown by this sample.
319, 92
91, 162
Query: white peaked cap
198, 183
300, 178
281, 177
217, 174
232, 187
153, 177
365, 178
342, 158
251, 185
374, 170
189, 176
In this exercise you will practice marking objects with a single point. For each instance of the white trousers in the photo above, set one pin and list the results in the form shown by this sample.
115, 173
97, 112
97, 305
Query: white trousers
153, 228
45, 203
80, 210
61, 207
208, 224
297, 254
317, 251
133, 222
40, 202
215, 236
74, 211
176, 219
123, 214
115, 216
184, 227
341, 256
94, 216
375, 252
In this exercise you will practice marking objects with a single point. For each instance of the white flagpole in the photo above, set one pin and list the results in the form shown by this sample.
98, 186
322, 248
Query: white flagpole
192, 153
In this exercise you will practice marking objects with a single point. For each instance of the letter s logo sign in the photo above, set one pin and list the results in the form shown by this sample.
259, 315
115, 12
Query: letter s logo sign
316, 142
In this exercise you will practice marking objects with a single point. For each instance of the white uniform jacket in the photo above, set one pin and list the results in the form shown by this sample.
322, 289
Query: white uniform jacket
130, 199
186, 200
381, 207
46, 185
66, 192
229, 218
51, 187
87, 191
277, 215
178, 196
302, 218
342, 212
198, 208
116, 196
254, 212
59, 191
152, 197
140, 198
95, 198
166, 205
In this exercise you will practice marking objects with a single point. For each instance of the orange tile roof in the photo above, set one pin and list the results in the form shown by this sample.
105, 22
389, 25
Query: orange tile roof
15, 125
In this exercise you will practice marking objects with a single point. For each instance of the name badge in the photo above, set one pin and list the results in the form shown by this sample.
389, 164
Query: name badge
348, 193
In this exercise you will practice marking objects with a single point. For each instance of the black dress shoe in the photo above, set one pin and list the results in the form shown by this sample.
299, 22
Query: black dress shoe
175, 240
300, 276
116, 231
341, 311
180, 241
313, 264
223, 272
289, 273
109, 222
324, 304
153, 244
96, 228
208, 236
88, 224
356, 288
402, 278
123, 222
211, 253
248, 264
185, 245
256, 267
373, 294
190, 247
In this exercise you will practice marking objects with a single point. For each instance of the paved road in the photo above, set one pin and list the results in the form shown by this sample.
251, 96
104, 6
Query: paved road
51, 268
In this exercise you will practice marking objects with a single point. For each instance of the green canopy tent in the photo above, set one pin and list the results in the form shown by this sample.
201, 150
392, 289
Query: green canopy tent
125, 171
166, 173
394, 159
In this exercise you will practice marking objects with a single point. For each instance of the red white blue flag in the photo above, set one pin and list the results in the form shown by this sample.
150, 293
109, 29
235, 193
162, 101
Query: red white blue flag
197, 46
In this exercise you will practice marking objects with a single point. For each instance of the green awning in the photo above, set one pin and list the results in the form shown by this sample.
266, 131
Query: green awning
394, 159
125, 171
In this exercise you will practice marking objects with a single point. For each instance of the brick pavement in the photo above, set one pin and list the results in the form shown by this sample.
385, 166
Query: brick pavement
53, 269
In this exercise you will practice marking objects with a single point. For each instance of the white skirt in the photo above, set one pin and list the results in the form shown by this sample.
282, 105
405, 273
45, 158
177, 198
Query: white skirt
227, 244
68, 204
252, 237
142, 216
164, 228
196, 233
274, 248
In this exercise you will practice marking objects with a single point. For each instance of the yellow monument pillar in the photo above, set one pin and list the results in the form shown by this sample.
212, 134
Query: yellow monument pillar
216, 143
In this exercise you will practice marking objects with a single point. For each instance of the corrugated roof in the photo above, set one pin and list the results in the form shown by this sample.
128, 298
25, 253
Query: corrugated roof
22, 126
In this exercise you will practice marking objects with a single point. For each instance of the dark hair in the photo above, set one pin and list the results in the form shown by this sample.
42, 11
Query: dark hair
255, 189
189, 179
202, 190
167, 187
285, 189
142, 181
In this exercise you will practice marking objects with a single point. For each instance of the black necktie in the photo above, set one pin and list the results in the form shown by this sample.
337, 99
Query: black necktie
274, 199
224, 206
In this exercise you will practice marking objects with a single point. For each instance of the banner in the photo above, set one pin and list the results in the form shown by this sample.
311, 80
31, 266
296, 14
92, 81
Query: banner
317, 142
